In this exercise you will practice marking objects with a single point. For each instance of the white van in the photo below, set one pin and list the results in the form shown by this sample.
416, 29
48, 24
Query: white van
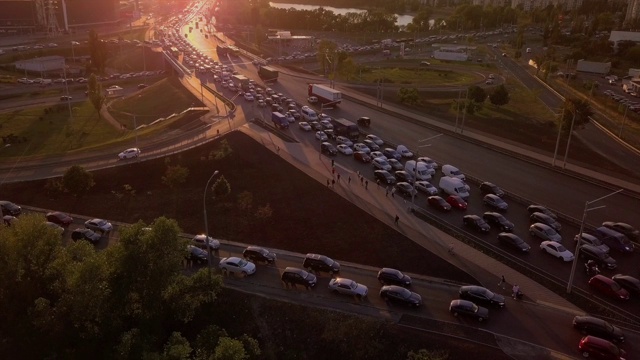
450, 170
454, 186
423, 172
308, 114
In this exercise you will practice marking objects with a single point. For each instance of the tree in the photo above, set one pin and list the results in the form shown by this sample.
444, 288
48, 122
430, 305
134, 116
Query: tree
424, 354
221, 188
177, 348
96, 94
174, 176
477, 94
97, 51
408, 96
578, 108
230, 349
77, 181
499, 96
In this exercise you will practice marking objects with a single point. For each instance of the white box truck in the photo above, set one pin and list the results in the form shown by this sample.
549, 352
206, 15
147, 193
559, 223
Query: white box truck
325, 94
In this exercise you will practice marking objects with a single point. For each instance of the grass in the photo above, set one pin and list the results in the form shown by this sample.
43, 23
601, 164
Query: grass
409, 76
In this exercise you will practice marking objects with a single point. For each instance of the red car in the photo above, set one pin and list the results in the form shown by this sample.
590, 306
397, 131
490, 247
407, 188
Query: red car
457, 202
597, 348
59, 218
438, 203
362, 157
608, 287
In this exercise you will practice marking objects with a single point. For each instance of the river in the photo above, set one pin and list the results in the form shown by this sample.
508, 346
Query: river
403, 20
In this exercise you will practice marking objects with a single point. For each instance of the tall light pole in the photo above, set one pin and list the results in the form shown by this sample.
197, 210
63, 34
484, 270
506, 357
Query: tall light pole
624, 118
566, 152
206, 224
579, 242
415, 168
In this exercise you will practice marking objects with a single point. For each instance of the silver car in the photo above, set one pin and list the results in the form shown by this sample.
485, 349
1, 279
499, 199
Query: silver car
348, 287
544, 232
100, 225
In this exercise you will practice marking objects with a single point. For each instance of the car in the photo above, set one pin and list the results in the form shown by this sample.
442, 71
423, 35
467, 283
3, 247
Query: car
326, 124
476, 223
65, 98
362, 157
395, 294
381, 164
537, 217
375, 139
328, 148
344, 140
404, 152
304, 126
625, 229
262, 103
598, 348
259, 254
514, 241
9, 208
389, 276
345, 149
588, 239
142, 86
371, 145
100, 225
556, 250
404, 176
390, 153
467, 308
320, 263
631, 284
395, 164
202, 241
129, 153
426, 187
438, 203
315, 125
405, 189
489, 82
457, 202
197, 255
498, 220
85, 234
495, 202
320, 135
348, 287
330, 133
589, 325
544, 232
293, 276
424, 63
430, 163
490, 188
608, 287
289, 117
312, 99
377, 154
59, 218
57, 228
481, 295
236, 265
296, 116
384, 177
361, 147
539, 208
590, 252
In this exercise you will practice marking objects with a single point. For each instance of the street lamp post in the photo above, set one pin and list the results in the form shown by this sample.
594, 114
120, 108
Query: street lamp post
415, 169
206, 224
624, 118
579, 242
566, 152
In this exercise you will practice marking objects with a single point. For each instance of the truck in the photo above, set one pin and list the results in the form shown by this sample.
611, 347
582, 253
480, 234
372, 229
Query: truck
280, 121
593, 67
268, 74
241, 81
325, 94
346, 128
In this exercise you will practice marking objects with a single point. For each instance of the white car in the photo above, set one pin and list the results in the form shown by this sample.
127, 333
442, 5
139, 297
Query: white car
237, 265
326, 124
343, 148
248, 96
320, 135
375, 139
129, 153
361, 147
348, 287
556, 250
381, 164
202, 241
25, 81
312, 99
371, 145
304, 126
377, 154
323, 116
100, 225
430, 163
404, 152
290, 117
426, 187
344, 140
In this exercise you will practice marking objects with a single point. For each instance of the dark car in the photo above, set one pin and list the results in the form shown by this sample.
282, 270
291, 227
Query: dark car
196, 255
320, 263
457, 202
404, 176
315, 125
630, 283
406, 190
59, 218
495, 202
259, 254
498, 220
399, 295
514, 241
328, 148
623, 228
608, 287
330, 133
590, 252
388, 276
438, 203
293, 276
539, 208
591, 346
467, 308
476, 223
491, 188
385, 177
295, 113
538, 217
588, 239
480, 295
391, 154
362, 157
589, 325
9, 208
85, 234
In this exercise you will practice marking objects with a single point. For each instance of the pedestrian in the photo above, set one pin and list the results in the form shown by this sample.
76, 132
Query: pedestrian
366, 184
333, 171
327, 182
338, 177
387, 191
358, 172
378, 182
393, 191
333, 183
333, 163
502, 282
278, 150
362, 180
515, 290
349, 180
218, 132
397, 219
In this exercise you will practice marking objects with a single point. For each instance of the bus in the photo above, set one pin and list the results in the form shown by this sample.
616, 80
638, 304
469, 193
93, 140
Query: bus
346, 128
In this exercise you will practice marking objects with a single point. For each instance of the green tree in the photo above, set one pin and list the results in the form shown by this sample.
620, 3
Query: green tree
633, 54
177, 348
327, 55
98, 51
578, 108
477, 94
96, 95
222, 150
221, 188
499, 96
175, 176
230, 349
408, 96
424, 354
77, 181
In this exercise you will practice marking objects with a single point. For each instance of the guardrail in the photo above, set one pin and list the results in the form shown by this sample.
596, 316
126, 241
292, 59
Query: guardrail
228, 103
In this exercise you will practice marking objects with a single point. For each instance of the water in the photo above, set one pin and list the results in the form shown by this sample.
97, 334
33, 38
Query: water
403, 20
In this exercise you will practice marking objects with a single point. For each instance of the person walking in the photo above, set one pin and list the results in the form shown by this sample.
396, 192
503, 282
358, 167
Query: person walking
362, 180
515, 290
366, 184
397, 219
333, 171
349, 180
393, 191
338, 177
333, 163
386, 191
328, 183
333, 183
502, 282
378, 182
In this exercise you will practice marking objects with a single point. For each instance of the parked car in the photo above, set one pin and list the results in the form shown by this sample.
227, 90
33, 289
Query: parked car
514, 241
259, 254
490, 188
344, 149
85, 234
236, 265
362, 157
556, 250
590, 252
197, 255
385, 177
129, 153
404, 176
371, 145
608, 287
426, 187
597, 348
538, 217
498, 220
377, 154
430, 163
381, 164
320, 263
438, 203
457, 202
627, 230
629, 283
395, 164
476, 223
303, 125
348, 287
480, 295
539, 208
295, 276
467, 308
59, 218
589, 325
398, 295
390, 153
544, 232
389, 276
495, 202
406, 190
588, 239
328, 148
202, 241
344, 140
375, 139
320, 135
9, 208
100, 225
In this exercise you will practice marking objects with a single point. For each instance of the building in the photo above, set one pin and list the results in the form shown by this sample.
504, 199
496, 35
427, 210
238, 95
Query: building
617, 36
494, 3
593, 67
529, 5
633, 11
42, 64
